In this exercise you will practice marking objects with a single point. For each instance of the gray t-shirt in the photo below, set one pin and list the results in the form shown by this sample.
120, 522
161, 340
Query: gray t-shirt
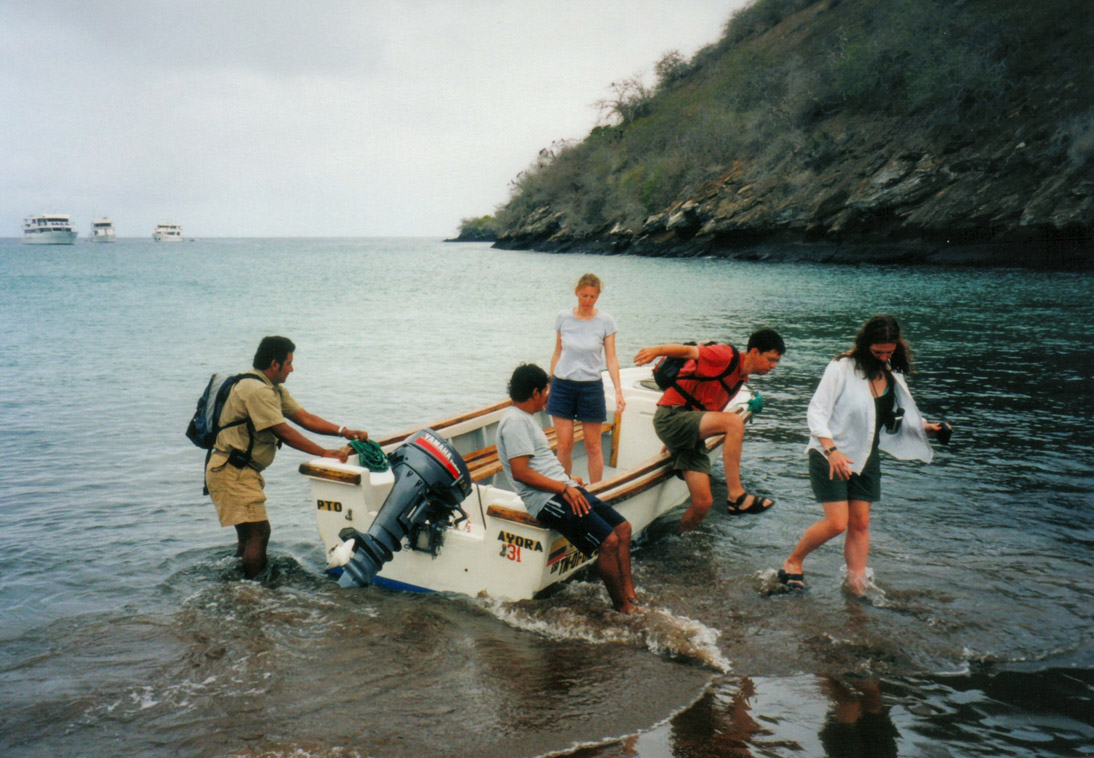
519, 435
582, 345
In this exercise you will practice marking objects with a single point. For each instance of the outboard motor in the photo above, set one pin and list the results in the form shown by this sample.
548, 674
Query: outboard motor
431, 481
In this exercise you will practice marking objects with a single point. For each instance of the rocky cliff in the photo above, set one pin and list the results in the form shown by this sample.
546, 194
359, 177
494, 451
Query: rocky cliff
1007, 184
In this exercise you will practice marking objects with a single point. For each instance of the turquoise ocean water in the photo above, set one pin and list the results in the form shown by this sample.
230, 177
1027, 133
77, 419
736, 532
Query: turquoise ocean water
126, 629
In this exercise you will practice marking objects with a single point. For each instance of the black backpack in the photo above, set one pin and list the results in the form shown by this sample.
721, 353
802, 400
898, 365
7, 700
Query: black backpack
667, 375
205, 424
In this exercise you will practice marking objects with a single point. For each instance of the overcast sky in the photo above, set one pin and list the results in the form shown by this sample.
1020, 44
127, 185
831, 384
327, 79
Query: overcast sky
323, 118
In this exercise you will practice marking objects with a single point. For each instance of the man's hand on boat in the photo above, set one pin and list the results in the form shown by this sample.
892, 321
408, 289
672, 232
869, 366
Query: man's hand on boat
295, 439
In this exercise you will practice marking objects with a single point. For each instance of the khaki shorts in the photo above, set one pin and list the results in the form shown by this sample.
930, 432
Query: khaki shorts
678, 428
237, 493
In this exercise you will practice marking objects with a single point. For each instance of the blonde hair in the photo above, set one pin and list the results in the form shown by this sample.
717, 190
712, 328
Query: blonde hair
589, 280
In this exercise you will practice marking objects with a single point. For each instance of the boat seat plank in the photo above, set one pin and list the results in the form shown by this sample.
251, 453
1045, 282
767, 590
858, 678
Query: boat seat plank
484, 463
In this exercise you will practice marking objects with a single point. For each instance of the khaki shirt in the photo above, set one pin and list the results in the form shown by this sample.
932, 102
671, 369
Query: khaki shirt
266, 405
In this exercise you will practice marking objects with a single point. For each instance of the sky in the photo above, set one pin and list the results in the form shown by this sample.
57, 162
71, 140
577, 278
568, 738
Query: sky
331, 118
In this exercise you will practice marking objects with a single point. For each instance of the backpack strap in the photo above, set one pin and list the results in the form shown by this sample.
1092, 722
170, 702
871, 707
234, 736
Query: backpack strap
250, 434
690, 402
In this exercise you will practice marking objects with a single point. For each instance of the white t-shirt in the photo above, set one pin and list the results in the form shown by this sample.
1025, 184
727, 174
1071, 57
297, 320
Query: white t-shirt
582, 356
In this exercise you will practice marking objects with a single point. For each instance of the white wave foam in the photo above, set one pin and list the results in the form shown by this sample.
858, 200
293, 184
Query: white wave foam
584, 614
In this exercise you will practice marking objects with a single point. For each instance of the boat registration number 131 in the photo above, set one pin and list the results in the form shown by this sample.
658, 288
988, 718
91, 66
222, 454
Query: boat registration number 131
513, 544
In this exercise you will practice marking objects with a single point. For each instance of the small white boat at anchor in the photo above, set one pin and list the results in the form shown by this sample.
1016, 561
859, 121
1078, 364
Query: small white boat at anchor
102, 230
48, 229
167, 232
498, 549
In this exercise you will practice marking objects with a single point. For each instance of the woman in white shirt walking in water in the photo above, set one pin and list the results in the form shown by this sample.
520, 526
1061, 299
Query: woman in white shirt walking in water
585, 342
861, 406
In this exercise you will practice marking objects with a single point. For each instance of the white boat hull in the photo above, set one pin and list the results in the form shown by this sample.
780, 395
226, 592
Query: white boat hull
50, 238
48, 229
499, 549
167, 233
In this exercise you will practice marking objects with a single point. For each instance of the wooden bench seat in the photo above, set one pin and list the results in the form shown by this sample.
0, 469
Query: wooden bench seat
484, 463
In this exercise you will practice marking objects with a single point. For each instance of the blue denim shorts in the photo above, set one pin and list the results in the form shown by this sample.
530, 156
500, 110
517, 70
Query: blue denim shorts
577, 401
584, 532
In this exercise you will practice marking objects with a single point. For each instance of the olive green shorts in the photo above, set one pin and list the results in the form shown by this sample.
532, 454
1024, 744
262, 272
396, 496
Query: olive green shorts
238, 493
865, 486
678, 428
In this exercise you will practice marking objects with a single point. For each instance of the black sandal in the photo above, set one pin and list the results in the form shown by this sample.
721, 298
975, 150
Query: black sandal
757, 505
793, 582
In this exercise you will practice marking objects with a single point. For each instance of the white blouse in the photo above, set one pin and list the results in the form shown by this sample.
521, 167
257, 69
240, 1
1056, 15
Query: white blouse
842, 409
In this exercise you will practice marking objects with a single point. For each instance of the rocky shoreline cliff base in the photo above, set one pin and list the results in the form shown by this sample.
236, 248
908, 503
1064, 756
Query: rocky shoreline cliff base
844, 131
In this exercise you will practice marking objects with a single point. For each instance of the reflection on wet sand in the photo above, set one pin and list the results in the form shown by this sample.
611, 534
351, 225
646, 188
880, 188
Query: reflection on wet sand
719, 724
809, 715
858, 725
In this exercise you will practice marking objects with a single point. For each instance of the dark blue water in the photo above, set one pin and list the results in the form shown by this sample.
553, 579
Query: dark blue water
126, 628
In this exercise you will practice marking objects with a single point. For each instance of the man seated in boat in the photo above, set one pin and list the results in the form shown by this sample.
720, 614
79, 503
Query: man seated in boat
557, 500
691, 411
254, 424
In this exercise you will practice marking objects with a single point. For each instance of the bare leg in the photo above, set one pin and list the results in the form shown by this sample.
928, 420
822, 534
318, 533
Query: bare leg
564, 429
856, 545
623, 532
733, 427
253, 538
701, 500
594, 450
609, 565
832, 525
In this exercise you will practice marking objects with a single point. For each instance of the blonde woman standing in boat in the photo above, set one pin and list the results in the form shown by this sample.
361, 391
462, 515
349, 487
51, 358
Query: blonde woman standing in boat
585, 342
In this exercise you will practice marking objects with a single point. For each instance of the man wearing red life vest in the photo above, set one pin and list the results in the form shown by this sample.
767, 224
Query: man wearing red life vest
686, 417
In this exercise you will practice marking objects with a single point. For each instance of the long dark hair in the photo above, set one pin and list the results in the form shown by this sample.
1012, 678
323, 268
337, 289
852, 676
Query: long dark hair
879, 330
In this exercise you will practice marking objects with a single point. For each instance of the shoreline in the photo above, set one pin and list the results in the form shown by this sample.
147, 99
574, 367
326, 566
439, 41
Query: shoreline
1037, 256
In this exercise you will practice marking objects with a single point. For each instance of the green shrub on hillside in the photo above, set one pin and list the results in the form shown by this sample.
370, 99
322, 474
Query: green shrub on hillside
481, 228
763, 99
916, 55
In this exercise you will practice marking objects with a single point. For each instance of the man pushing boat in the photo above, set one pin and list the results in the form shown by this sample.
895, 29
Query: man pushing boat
557, 500
691, 411
253, 424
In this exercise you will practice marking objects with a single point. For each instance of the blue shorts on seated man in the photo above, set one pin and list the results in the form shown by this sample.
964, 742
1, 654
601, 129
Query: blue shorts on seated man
585, 532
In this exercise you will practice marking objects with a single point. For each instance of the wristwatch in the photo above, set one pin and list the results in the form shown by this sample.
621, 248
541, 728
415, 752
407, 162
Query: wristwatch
829, 450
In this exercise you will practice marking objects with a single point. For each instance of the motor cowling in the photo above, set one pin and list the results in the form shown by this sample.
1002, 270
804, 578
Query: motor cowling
431, 481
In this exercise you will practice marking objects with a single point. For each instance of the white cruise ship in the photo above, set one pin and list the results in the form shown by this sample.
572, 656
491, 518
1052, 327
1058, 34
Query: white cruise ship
48, 229
167, 233
102, 230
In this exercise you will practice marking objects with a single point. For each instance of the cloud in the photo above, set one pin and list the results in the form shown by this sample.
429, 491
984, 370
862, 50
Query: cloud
286, 118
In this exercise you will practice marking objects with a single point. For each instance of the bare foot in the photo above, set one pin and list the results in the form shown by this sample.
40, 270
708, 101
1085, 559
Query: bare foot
856, 586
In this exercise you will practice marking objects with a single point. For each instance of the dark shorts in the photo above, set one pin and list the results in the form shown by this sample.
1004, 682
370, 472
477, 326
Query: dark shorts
577, 401
865, 486
585, 532
678, 428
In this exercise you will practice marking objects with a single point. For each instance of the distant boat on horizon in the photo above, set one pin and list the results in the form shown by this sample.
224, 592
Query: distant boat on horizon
102, 230
48, 229
167, 233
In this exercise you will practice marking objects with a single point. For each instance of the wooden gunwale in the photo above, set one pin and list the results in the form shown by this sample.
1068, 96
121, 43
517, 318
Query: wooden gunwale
439, 425
335, 475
